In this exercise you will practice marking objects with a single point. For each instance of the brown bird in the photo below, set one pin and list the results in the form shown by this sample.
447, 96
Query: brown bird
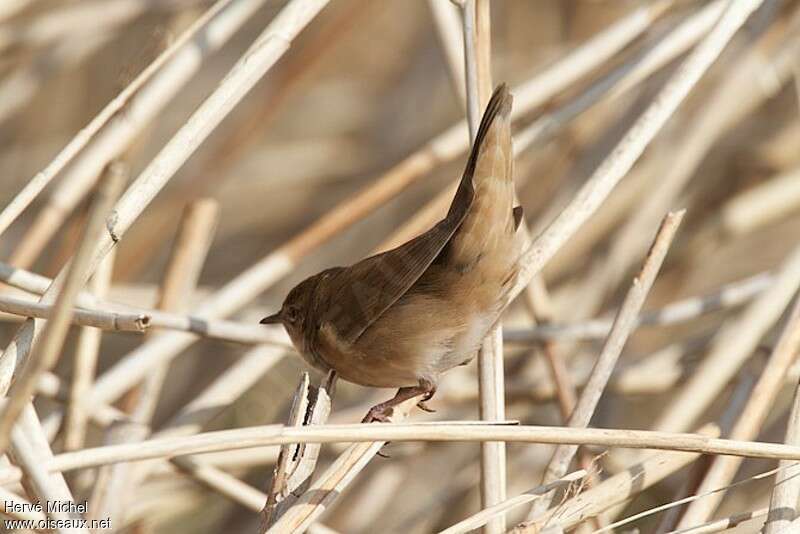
403, 317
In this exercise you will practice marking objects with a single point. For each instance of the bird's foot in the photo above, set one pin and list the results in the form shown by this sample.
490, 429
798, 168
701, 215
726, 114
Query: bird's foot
380, 413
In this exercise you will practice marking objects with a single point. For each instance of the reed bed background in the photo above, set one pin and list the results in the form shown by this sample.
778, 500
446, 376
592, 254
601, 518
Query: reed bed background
170, 169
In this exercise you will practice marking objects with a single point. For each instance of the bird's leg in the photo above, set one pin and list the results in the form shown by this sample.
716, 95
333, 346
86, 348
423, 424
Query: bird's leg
381, 412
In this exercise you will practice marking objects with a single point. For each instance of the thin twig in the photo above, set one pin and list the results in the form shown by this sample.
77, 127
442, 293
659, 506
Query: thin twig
623, 326
731, 105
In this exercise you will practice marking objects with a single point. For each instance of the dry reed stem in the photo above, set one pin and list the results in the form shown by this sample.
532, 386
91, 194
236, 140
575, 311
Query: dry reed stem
55, 331
732, 345
447, 18
481, 518
273, 42
112, 316
594, 192
624, 323
85, 366
288, 458
296, 462
615, 490
588, 56
120, 121
727, 296
491, 378
322, 492
735, 403
786, 491
749, 422
463, 431
103, 320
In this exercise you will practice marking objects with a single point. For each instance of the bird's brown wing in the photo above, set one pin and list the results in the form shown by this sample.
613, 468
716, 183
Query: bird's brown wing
361, 293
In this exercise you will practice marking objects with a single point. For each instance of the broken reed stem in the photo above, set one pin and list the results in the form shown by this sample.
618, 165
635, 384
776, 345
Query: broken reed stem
296, 462
103, 320
49, 346
624, 324
273, 42
750, 420
83, 372
120, 122
331, 484
121, 317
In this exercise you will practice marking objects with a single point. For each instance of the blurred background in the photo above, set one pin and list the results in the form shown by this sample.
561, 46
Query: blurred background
365, 85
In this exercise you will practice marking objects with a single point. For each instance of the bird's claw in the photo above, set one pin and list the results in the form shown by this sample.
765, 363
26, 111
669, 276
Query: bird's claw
422, 405
378, 414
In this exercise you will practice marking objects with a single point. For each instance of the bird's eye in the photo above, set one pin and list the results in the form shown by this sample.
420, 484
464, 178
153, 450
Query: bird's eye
292, 314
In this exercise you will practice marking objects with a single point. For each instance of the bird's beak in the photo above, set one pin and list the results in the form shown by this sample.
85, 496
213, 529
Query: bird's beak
275, 318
